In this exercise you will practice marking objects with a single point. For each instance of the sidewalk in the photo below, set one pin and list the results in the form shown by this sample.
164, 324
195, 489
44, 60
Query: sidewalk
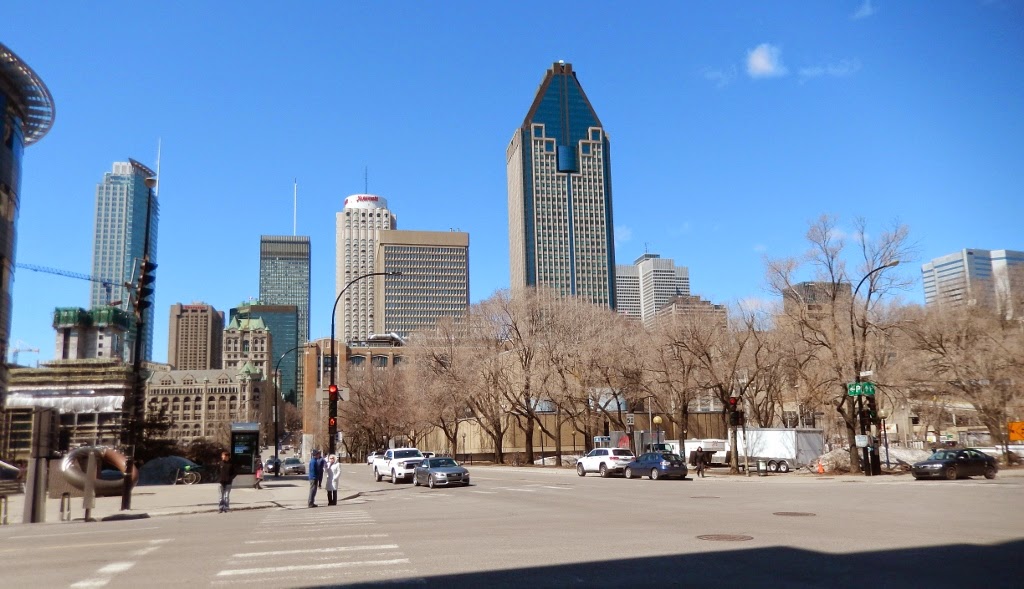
289, 492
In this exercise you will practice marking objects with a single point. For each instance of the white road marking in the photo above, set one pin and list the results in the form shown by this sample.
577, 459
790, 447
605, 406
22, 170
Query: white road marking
485, 492
349, 537
313, 551
313, 567
115, 567
556, 488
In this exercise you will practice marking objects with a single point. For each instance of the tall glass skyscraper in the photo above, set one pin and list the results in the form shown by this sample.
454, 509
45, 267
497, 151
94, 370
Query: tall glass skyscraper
282, 321
561, 232
26, 115
284, 280
119, 235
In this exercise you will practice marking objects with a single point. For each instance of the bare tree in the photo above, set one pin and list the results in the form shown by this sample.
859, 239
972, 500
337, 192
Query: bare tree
439, 365
835, 322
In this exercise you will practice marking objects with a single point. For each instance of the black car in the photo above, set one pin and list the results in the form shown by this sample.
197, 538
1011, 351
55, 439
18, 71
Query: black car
955, 464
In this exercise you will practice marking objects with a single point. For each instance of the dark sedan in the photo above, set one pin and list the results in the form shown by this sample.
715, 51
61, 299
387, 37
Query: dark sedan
437, 472
956, 464
657, 465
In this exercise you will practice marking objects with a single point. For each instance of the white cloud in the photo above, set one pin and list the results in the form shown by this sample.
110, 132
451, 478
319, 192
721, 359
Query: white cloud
765, 61
840, 69
865, 10
719, 77
623, 234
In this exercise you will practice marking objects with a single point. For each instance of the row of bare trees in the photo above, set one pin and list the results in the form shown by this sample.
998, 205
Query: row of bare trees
518, 355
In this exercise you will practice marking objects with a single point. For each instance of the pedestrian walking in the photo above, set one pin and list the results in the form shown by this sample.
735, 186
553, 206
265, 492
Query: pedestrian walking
321, 463
259, 474
332, 477
312, 475
700, 461
227, 475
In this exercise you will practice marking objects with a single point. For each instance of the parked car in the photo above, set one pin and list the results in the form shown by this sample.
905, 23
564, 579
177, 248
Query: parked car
293, 466
372, 455
657, 465
272, 465
434, 472
605, 461
428, 454
955, 464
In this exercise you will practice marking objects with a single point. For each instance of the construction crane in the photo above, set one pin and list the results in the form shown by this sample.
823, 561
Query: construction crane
107, 283
21, 346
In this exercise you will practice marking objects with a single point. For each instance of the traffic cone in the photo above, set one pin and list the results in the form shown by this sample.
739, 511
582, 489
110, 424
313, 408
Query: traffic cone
821, 469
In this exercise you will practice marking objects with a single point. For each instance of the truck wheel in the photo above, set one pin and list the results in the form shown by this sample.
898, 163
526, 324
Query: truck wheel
773, 466
783, 466
394, 478
580, 470
604, 471
376, 475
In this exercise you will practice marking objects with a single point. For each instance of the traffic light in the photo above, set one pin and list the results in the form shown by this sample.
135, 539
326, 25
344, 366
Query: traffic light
146, 287
734, 403
332, 423
332, 393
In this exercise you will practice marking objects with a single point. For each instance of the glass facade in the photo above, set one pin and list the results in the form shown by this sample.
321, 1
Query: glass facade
561, 230
119, 241
26, 115
284, 281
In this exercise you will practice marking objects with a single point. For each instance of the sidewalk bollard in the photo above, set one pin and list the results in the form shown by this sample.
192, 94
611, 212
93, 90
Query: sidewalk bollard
65, 507
3, 510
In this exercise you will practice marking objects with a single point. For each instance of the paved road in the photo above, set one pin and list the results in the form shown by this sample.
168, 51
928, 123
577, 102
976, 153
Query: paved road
550, 528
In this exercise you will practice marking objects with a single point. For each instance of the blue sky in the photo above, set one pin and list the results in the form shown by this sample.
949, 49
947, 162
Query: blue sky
732, 126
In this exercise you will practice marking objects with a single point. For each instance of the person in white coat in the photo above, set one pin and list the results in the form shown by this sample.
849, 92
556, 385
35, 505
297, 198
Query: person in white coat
332, 478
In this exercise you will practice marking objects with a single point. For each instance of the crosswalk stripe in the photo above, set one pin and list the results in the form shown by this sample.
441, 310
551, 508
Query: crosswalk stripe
313, 551
349, 537
312, 567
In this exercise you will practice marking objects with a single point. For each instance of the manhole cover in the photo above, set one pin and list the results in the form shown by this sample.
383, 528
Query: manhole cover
705, 497
725, 538
794, 513
823, 478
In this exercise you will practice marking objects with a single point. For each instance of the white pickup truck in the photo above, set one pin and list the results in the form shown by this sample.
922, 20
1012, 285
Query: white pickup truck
397, 463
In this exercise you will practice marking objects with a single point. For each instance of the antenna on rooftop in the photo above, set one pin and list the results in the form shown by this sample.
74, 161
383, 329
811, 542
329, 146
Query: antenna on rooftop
295, 204
366, 179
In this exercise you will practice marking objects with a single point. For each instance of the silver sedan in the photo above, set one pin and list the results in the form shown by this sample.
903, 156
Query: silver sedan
437, 472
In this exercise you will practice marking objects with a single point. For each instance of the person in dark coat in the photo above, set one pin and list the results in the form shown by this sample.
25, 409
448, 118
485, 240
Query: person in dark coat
700, 460
314, 461
227, 475
321, 463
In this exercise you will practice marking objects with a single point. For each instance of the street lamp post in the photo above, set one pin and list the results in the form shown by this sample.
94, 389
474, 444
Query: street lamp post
277, 403
657, 435
883, 414
332, 406
132, 415
872, 464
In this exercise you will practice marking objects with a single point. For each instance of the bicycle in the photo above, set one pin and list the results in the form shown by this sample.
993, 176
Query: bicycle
188, 476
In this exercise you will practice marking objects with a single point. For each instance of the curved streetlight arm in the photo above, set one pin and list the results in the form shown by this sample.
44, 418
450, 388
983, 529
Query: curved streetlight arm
277, 404
334, 360
853, 301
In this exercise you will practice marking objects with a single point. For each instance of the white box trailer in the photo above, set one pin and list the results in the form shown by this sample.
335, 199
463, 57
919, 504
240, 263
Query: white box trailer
782, 449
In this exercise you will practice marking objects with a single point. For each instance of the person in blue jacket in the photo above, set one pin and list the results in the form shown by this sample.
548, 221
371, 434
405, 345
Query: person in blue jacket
311, 474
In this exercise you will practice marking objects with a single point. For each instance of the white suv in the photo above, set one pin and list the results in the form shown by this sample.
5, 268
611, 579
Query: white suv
604, 461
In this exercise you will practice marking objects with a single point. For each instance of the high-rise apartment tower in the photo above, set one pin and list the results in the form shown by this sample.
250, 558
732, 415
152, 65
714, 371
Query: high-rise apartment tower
123, 200
434, 280
358, 224
195, 336
561, 231
643, 288
974, 276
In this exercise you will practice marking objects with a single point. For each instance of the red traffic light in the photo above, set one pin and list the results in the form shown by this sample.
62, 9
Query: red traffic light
332, 392
332, 422
733, 403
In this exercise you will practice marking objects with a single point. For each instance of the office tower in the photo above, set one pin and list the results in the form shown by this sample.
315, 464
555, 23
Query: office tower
363, 216
26, 115
195, 336
561, 232
691, 308
974, 276
434, 281
817, 300
283, 323
123, 200
284, 280
646, 286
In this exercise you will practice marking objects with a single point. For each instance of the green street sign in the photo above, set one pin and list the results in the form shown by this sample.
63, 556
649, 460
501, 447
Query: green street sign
855, 389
